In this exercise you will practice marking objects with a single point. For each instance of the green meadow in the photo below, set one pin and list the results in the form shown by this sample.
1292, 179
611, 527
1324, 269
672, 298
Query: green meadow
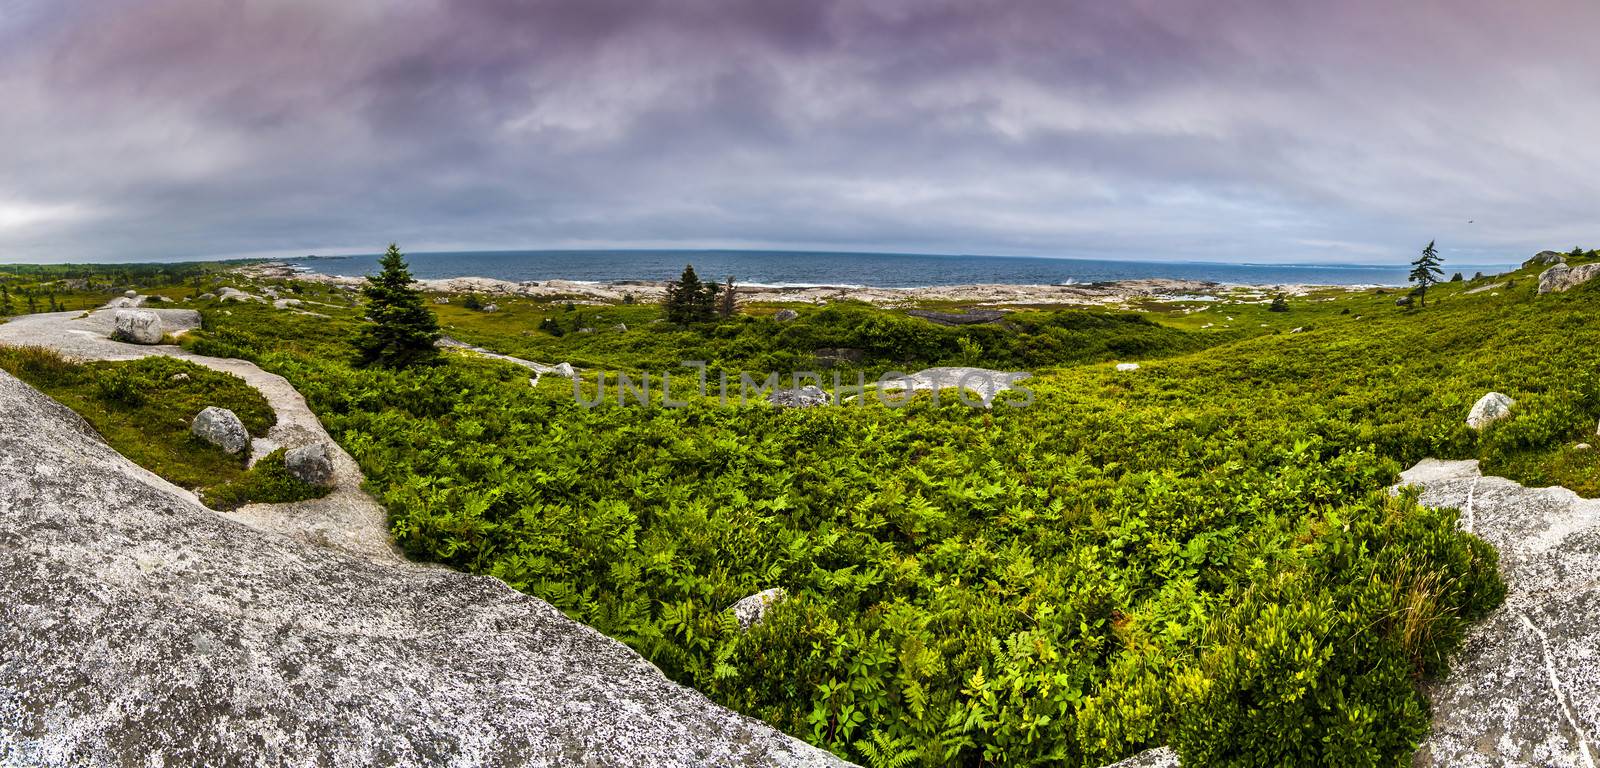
1203, 552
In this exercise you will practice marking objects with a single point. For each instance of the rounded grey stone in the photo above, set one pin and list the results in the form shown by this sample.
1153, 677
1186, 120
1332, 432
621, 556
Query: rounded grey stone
222, 428
310, 464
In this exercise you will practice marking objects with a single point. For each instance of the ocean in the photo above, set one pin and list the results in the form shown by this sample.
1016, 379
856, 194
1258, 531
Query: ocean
882, 270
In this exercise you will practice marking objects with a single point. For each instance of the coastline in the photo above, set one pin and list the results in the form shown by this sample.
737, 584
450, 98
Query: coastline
1111, 293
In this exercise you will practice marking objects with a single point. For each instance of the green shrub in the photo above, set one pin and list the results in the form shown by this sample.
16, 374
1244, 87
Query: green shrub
1201, 553
268, 482
1317, 665
143, 408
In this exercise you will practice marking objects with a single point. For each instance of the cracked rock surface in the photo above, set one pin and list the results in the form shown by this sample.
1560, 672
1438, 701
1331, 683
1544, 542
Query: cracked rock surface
1525, 690
140, 628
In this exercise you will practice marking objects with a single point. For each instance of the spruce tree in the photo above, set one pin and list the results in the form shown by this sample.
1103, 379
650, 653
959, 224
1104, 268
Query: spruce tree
400, 330
728, 302
1425, 271
689, 300
5, 301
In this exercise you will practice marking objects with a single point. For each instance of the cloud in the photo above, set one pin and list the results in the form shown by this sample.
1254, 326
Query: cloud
1274, 130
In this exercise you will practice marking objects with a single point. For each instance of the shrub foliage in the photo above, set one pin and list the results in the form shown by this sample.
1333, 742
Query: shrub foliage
1203, 553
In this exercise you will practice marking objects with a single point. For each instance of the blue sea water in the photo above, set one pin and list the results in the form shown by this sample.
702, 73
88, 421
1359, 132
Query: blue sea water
883, 270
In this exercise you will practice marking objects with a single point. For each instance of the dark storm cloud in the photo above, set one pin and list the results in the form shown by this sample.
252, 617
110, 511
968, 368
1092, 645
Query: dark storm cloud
1174, 129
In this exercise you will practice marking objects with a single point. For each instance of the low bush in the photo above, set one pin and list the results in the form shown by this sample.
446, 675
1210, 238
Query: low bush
143, 408
1201, 552
268, 482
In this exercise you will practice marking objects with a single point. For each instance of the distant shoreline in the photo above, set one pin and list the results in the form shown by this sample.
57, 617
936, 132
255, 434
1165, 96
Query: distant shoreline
790, 270
1105, 293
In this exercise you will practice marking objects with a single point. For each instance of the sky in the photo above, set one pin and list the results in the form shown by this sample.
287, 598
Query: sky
1277, 131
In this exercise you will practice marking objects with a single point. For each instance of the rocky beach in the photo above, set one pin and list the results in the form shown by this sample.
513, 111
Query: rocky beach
1106, 294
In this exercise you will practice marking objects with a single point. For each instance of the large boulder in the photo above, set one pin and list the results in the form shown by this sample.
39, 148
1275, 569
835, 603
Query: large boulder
136, 326
310, 464
1525, 688
1489, 409
138, 628
222, 428
785, 315
1562, 277
983, 382
1545, 259
178, 321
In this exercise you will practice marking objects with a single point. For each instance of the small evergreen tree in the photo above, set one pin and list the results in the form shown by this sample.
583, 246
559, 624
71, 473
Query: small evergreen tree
33, 303
1279, 304
400, 331
728, 303
5, 301
1456, 278
689, 300
1425, 271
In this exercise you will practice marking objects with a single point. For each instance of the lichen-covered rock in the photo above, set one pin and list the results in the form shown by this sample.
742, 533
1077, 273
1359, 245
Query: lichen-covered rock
1125, 367
1161, 757
139, 628
1489, 409
983, 382
802, 397
222, 428
751, 610
310, 464
1545, 258
176, 322
136, 326
1525, 689
785, 315
1562, 277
